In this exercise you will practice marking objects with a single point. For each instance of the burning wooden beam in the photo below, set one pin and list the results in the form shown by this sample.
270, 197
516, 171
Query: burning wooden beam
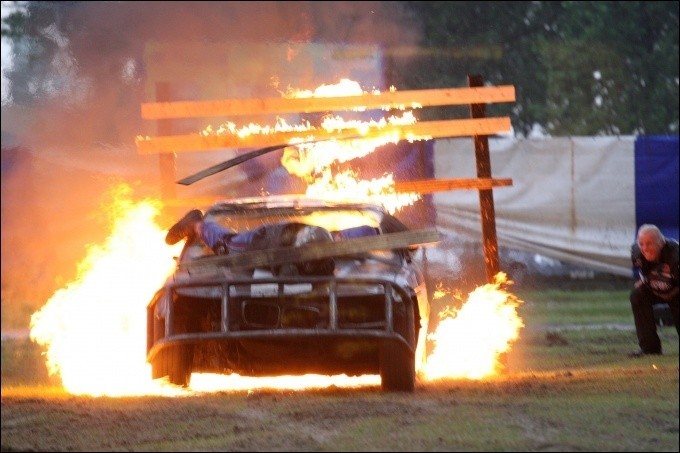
274, 106
417, 131
444, 185
423, 186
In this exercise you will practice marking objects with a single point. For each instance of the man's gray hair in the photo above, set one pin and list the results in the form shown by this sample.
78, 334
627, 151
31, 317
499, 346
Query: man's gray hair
649, 228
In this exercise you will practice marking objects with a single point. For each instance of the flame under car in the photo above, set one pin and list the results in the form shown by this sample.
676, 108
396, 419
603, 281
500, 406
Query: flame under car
248, 314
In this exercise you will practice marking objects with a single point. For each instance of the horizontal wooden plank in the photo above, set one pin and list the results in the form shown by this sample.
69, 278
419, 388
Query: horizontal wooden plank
309, 252
418, 131
274, 106
422, 187
444, 185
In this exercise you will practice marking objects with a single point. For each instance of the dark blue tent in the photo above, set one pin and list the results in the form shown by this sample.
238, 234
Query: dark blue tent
657, 190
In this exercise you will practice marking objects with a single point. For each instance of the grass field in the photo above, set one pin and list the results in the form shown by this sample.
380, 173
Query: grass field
568, 386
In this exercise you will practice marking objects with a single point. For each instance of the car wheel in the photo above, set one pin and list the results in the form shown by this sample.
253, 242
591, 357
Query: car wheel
397, 362
179, 365
397, 368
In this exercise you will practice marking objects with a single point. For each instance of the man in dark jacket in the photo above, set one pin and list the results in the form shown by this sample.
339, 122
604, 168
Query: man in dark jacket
655, 257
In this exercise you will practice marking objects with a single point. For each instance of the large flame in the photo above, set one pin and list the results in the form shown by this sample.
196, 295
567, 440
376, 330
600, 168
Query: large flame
93, 328
345, 87
469, 341
312, 162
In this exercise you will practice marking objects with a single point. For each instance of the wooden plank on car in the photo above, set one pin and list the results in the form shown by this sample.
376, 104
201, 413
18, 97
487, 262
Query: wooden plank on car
315, 251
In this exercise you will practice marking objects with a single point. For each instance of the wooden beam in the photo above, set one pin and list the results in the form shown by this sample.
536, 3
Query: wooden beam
421, 186
486, 204
315, 251
166, 162
274, 106
418, 131
444, 185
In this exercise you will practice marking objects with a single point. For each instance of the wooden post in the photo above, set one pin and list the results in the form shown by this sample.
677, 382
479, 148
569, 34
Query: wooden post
166, 161
488, 215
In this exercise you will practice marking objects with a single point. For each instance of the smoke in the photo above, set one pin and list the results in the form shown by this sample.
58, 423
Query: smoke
68, 135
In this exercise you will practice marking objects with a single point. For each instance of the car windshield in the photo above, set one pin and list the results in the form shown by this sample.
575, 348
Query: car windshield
331, 218
244, 216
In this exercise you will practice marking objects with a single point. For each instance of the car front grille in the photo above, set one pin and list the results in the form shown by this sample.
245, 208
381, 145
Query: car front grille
329, 304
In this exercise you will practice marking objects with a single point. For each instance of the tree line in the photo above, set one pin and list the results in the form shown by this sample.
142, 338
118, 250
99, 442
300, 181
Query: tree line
579, 68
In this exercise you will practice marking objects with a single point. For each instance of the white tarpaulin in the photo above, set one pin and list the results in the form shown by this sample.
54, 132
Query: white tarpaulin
572, 199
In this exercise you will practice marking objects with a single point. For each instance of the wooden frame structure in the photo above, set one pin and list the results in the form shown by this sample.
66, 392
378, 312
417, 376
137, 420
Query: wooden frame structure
476, 95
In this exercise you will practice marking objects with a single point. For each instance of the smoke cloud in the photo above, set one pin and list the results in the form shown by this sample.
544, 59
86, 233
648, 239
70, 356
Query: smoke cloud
63, 151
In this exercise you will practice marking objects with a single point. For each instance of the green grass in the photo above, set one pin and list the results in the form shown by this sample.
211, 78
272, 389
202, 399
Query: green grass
568, 385
586, 308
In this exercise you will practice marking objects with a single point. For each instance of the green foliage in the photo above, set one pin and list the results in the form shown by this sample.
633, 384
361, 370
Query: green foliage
14, 25
579, 68
24, 364
583, 101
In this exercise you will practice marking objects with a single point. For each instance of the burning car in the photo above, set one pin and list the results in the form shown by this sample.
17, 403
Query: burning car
248, 313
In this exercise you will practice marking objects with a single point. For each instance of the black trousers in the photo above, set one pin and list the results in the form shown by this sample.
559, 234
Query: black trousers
642, 301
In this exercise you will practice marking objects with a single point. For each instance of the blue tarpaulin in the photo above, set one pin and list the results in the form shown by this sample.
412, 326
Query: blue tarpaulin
657, 189
579, 200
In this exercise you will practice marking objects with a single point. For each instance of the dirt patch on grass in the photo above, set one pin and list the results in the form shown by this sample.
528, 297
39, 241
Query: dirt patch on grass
521, 411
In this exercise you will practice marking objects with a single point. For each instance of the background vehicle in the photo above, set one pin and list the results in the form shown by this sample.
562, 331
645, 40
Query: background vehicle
282, 316
461, 264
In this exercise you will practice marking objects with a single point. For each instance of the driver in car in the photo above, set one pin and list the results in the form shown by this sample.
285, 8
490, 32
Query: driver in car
224, 241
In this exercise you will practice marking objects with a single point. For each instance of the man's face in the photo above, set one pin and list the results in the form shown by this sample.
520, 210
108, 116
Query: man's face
649, 246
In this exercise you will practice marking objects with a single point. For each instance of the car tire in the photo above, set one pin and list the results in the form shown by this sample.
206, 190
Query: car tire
397, 368
397, 361
179, 365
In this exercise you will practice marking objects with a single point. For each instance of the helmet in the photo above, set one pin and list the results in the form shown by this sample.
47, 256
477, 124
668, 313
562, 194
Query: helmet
310, 234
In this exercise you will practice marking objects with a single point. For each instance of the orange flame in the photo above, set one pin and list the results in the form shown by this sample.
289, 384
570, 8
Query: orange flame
94, 329
346, 186
345, 87
312, 161
468, 342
